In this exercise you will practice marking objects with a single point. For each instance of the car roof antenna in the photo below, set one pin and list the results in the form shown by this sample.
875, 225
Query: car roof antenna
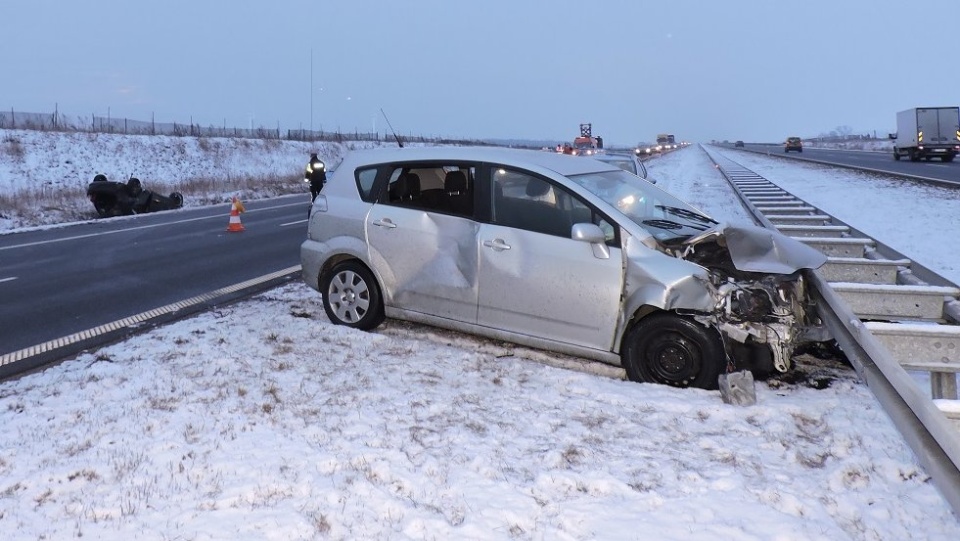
399, 142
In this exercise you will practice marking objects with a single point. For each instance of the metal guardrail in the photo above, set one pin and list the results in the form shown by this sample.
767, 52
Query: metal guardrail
930, 180
914, 317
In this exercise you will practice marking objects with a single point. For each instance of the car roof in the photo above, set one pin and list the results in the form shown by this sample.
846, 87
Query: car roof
563, 164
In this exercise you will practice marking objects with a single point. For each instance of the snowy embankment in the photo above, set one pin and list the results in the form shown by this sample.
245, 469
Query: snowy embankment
44, 175
261, 420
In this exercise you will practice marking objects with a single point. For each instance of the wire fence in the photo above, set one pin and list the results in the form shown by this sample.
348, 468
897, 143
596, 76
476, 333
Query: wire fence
58, 121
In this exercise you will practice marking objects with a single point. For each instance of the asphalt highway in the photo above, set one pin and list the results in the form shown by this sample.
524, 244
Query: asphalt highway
61, 280
932, 171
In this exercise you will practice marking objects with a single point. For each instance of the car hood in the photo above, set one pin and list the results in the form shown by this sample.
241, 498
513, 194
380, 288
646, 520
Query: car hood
755, 249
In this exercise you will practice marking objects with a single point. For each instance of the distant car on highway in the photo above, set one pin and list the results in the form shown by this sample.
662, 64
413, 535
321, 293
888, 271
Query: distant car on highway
555, 252
738, 144
627, 162
793, 143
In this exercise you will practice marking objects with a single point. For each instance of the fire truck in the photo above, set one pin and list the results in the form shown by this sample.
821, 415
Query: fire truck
587, 143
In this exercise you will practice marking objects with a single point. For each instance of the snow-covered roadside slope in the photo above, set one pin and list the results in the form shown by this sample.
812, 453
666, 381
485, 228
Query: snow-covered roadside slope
44, 175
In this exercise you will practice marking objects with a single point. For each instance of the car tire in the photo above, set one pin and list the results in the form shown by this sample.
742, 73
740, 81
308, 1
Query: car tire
673, 350
947, 159
896, 155
351, 296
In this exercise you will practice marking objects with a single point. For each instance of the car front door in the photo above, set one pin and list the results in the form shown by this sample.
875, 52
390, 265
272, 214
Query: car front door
534, 279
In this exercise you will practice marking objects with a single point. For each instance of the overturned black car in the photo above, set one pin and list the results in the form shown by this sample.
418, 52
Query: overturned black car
125, 198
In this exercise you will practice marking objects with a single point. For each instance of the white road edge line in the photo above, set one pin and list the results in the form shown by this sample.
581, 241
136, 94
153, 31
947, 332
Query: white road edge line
137, 319
12, 278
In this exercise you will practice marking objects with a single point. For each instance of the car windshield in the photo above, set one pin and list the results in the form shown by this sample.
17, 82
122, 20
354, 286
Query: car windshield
663, 215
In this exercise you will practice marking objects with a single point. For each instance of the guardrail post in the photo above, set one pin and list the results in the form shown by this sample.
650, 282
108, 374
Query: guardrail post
943, 385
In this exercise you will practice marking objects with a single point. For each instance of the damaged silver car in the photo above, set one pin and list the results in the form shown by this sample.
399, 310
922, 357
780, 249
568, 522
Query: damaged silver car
558, 253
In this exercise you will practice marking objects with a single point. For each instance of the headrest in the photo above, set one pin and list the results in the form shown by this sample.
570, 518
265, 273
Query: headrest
537, 187
455, 181
399, 189
413, 185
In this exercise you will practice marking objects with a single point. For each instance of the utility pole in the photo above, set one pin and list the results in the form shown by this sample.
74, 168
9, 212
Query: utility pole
311, 91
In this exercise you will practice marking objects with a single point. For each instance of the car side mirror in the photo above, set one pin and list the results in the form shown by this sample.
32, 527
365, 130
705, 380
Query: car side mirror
587, 232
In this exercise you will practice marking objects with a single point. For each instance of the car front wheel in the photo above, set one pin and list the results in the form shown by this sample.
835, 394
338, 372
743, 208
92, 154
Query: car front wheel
673, 350
351, 296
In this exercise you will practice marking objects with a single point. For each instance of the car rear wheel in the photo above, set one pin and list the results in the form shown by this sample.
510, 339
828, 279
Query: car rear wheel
351, 296
673, 350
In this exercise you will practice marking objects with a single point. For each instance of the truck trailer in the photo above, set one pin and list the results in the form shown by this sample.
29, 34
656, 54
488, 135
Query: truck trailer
926, 133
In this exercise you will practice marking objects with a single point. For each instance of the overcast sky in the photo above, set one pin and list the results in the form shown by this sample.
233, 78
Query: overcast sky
755, 70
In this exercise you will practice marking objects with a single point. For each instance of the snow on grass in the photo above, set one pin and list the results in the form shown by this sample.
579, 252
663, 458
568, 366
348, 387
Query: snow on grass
220, 427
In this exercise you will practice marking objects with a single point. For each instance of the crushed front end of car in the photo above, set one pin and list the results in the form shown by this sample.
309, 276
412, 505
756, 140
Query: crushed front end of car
760, 302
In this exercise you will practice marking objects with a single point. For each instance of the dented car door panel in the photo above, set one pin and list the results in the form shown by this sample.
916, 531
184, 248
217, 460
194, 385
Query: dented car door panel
427, 261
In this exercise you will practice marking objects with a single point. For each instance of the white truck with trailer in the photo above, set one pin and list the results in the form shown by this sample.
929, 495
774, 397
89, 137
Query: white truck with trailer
927, 133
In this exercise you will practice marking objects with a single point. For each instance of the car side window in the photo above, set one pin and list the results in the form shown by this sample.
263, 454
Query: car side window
365, 179
445, 188
524, 201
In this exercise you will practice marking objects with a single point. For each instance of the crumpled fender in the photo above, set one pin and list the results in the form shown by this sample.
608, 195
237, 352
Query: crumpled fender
664, 283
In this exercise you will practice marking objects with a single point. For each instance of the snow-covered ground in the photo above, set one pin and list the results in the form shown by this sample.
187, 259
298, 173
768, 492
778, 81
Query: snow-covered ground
261, 420
877, 145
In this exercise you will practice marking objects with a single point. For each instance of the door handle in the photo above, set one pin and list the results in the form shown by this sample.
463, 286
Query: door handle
386, 222
498, 245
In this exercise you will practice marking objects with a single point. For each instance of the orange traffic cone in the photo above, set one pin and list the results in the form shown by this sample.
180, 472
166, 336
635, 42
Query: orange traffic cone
235, 209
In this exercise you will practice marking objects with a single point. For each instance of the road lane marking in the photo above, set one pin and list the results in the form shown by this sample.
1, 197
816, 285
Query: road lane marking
139, 319
294, 223
7, 279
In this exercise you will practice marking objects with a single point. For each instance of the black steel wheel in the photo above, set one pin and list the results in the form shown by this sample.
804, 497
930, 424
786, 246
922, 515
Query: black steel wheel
351, 296
673, 350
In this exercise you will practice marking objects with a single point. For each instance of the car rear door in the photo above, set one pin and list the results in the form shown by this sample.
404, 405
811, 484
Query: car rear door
425, 258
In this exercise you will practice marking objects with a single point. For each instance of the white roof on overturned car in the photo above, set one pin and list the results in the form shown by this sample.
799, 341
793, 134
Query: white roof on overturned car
563, 164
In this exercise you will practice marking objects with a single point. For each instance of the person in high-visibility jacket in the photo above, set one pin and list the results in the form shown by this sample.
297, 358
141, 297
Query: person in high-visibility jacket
316, 175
